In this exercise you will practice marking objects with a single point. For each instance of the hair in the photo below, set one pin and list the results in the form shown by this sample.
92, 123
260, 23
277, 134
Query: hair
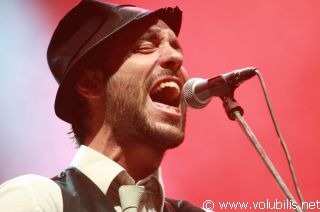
79, 128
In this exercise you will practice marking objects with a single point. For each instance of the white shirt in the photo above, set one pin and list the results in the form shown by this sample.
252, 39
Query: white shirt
33, 193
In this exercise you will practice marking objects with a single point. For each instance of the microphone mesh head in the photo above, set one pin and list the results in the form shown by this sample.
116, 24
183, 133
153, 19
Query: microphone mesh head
190, 97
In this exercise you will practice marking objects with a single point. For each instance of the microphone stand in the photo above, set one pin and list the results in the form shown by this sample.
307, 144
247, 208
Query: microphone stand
235, 112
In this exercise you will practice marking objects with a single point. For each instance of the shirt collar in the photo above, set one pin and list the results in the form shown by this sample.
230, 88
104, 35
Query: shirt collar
102, 170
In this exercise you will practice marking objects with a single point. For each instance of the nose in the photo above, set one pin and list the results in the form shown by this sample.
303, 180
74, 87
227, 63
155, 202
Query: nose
171, 58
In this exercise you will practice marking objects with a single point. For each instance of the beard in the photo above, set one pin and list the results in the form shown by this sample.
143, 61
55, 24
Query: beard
130, 122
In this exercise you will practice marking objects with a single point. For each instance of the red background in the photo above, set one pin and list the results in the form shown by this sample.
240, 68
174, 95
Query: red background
216, 161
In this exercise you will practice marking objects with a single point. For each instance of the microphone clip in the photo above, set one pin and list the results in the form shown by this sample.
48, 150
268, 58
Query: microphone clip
231, 105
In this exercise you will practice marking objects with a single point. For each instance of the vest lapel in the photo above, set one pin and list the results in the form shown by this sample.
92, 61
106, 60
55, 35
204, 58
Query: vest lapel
79, 193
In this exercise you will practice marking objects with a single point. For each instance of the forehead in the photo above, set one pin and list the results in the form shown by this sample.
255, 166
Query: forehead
160, 28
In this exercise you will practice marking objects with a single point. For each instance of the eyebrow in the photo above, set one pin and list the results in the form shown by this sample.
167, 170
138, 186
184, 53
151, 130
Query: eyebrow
152, 33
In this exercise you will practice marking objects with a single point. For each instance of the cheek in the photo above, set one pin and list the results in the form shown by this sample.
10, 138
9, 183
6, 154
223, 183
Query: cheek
183, 74
132, 74
135, 67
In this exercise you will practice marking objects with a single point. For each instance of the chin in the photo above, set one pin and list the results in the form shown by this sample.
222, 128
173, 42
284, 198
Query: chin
164, 135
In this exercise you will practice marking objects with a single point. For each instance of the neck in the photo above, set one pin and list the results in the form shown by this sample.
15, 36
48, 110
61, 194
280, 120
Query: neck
138, 159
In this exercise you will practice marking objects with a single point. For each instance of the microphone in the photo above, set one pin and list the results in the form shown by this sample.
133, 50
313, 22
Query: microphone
198, 92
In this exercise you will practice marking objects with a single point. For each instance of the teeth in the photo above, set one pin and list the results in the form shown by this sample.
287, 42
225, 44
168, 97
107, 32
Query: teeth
168, 84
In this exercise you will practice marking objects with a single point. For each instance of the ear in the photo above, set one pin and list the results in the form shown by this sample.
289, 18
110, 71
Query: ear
91, 84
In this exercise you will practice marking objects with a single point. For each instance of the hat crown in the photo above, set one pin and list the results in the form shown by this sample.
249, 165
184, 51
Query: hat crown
79, 26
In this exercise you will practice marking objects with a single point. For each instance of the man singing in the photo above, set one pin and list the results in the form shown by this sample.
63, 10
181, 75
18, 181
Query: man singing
120, 73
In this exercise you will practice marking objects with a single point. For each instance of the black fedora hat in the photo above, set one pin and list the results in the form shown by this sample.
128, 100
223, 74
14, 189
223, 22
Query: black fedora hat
82, 29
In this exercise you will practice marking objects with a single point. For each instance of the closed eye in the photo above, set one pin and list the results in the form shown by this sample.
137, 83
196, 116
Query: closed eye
145, 47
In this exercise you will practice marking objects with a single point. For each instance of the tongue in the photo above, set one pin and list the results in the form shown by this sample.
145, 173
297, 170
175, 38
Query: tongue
166, 107
166, 96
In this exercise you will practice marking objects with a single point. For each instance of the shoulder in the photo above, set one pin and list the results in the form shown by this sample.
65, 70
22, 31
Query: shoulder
30, 193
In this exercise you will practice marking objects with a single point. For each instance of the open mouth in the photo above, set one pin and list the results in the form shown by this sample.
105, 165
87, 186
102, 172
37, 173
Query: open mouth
165, 94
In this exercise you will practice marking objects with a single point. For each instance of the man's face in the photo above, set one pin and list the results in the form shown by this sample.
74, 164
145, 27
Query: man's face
143, 103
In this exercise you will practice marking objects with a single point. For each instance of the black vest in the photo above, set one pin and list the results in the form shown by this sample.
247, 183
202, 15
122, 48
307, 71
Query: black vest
79, 193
